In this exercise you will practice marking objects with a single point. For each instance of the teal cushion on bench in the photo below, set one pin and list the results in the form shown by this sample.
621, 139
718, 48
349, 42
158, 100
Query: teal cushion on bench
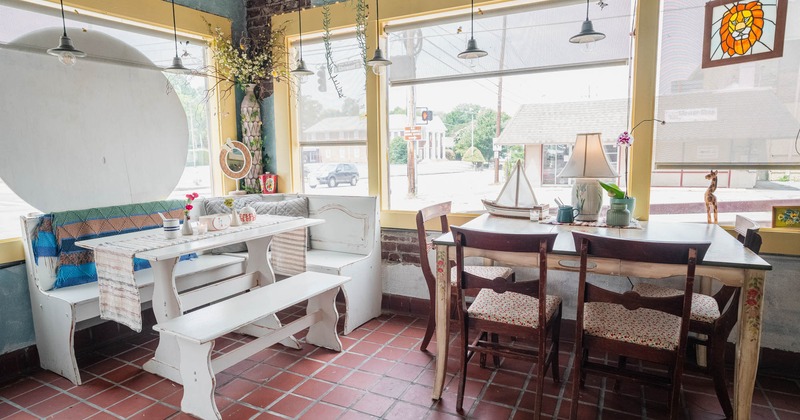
58, 232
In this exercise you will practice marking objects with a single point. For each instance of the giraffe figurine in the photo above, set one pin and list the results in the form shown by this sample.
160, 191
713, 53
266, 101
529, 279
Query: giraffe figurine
711, 199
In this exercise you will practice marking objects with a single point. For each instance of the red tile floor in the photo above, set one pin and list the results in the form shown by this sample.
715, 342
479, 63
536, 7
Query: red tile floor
381, 374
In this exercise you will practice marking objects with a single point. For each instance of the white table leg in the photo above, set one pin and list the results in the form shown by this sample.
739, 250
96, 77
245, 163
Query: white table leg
442, 317
166, 306
323, 333
258, 262
747, 346
198, 391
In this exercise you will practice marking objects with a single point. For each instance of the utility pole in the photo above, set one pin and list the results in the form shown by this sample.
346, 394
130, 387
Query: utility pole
498, 118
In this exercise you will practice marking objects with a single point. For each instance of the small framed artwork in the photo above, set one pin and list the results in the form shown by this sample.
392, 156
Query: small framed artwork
737, 31
786, 217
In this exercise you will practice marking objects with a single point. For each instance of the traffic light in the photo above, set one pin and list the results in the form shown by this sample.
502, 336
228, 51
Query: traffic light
427, 115
322, 81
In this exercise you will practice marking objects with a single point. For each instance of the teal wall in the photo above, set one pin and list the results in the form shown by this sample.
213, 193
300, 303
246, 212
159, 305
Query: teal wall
16, 322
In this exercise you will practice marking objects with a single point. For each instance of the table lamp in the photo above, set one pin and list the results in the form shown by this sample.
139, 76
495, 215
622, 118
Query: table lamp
588, 162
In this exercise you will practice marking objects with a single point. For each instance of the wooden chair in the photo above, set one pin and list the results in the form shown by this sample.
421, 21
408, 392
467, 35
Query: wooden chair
508, 308
441, 211
715, 316
653, 329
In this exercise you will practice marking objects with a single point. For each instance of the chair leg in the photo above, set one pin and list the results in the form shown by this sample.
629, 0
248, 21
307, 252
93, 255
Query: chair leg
716, 366
483, 354
464, 360
429, 330
675, 394
623, 361
495, 357
555, 347
540, 373
577, 379
582, 382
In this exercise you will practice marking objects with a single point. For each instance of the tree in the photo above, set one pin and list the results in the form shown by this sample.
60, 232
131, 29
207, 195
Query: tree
398, 111
398, 151
482, 134
460, 116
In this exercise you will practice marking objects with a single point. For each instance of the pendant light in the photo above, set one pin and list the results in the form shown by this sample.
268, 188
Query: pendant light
378, 61
472, 52
587, 33
66, 53
177, 64
301, 71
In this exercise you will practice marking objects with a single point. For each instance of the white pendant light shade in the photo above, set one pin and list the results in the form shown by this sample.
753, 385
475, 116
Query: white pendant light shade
66, 53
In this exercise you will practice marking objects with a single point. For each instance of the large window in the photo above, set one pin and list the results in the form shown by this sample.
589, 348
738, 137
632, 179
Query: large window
528, 99
333, 127
740, 119
159, 48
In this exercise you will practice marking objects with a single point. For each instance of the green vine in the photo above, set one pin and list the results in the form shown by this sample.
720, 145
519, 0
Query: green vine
326, 38
361, 30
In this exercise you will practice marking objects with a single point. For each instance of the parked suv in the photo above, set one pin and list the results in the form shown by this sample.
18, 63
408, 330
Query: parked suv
332, 174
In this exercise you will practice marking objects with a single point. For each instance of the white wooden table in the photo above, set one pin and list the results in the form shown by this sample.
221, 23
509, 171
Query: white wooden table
168, 304
727, 261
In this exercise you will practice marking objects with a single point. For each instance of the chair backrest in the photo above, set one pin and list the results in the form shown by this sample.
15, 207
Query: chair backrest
688, 254
747, 233
540, 244
441, 211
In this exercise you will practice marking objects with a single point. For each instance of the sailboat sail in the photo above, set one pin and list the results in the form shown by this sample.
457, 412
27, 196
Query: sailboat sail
516, 199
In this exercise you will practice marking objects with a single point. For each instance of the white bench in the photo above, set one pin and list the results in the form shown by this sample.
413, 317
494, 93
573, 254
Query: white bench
196, 331
347, 244
58, 313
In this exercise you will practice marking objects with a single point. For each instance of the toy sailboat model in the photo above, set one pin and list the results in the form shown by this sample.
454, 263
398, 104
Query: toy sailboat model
516, 199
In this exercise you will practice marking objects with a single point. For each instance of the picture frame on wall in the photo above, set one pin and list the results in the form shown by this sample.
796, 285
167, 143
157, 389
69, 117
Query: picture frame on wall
738, 31
786, 217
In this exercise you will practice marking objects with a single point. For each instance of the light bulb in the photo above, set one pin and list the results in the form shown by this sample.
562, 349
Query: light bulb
472, 62
67, 58
378, 70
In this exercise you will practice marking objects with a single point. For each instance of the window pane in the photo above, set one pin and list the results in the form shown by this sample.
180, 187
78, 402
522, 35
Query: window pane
739, 118
346, 175
544, 102
333, 129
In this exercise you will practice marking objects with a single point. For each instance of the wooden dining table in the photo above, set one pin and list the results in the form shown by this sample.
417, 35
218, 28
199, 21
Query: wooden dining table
726, 261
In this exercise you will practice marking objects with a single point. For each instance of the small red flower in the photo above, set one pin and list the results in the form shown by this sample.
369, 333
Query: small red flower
752, 294
189, 207
195, 195
751, 302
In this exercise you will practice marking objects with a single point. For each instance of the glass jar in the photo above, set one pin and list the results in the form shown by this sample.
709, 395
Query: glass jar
618, 215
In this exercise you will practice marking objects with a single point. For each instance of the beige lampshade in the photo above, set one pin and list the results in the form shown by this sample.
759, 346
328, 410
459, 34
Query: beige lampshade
588, 159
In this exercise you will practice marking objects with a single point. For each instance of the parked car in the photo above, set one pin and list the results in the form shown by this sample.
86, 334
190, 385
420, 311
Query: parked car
333, 174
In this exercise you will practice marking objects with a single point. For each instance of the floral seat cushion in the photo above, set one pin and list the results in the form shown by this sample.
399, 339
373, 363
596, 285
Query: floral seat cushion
510, 308
642, 326
485, 271
704, 307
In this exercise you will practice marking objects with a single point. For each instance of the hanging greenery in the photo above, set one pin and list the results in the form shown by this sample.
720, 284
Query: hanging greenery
361, 36
361, 30
326, 39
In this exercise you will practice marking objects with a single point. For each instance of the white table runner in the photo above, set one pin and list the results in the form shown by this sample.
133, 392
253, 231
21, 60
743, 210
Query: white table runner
119, 295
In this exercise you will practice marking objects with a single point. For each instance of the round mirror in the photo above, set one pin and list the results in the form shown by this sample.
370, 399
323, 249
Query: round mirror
235, 159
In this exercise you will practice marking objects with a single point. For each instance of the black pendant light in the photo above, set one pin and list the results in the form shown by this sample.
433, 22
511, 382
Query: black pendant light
66, 53
472, 52
301, 71
587, 33
177, 64
378, 61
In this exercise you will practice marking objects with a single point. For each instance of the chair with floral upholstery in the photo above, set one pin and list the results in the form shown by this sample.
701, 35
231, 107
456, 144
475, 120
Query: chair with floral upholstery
511, 309
650, 329
714, 316
440, 211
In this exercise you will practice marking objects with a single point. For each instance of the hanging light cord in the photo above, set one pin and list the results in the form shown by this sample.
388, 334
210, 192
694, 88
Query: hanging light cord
587, 9
300, 24
174, 28
472, 19
63, 21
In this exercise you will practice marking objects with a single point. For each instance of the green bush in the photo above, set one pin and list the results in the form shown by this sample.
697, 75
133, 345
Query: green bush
398, 151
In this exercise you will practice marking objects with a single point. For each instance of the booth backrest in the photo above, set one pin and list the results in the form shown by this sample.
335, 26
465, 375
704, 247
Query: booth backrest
50, 238
349, 223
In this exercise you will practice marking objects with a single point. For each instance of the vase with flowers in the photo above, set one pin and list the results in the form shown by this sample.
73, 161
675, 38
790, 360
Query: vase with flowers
235, 221
186, 228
